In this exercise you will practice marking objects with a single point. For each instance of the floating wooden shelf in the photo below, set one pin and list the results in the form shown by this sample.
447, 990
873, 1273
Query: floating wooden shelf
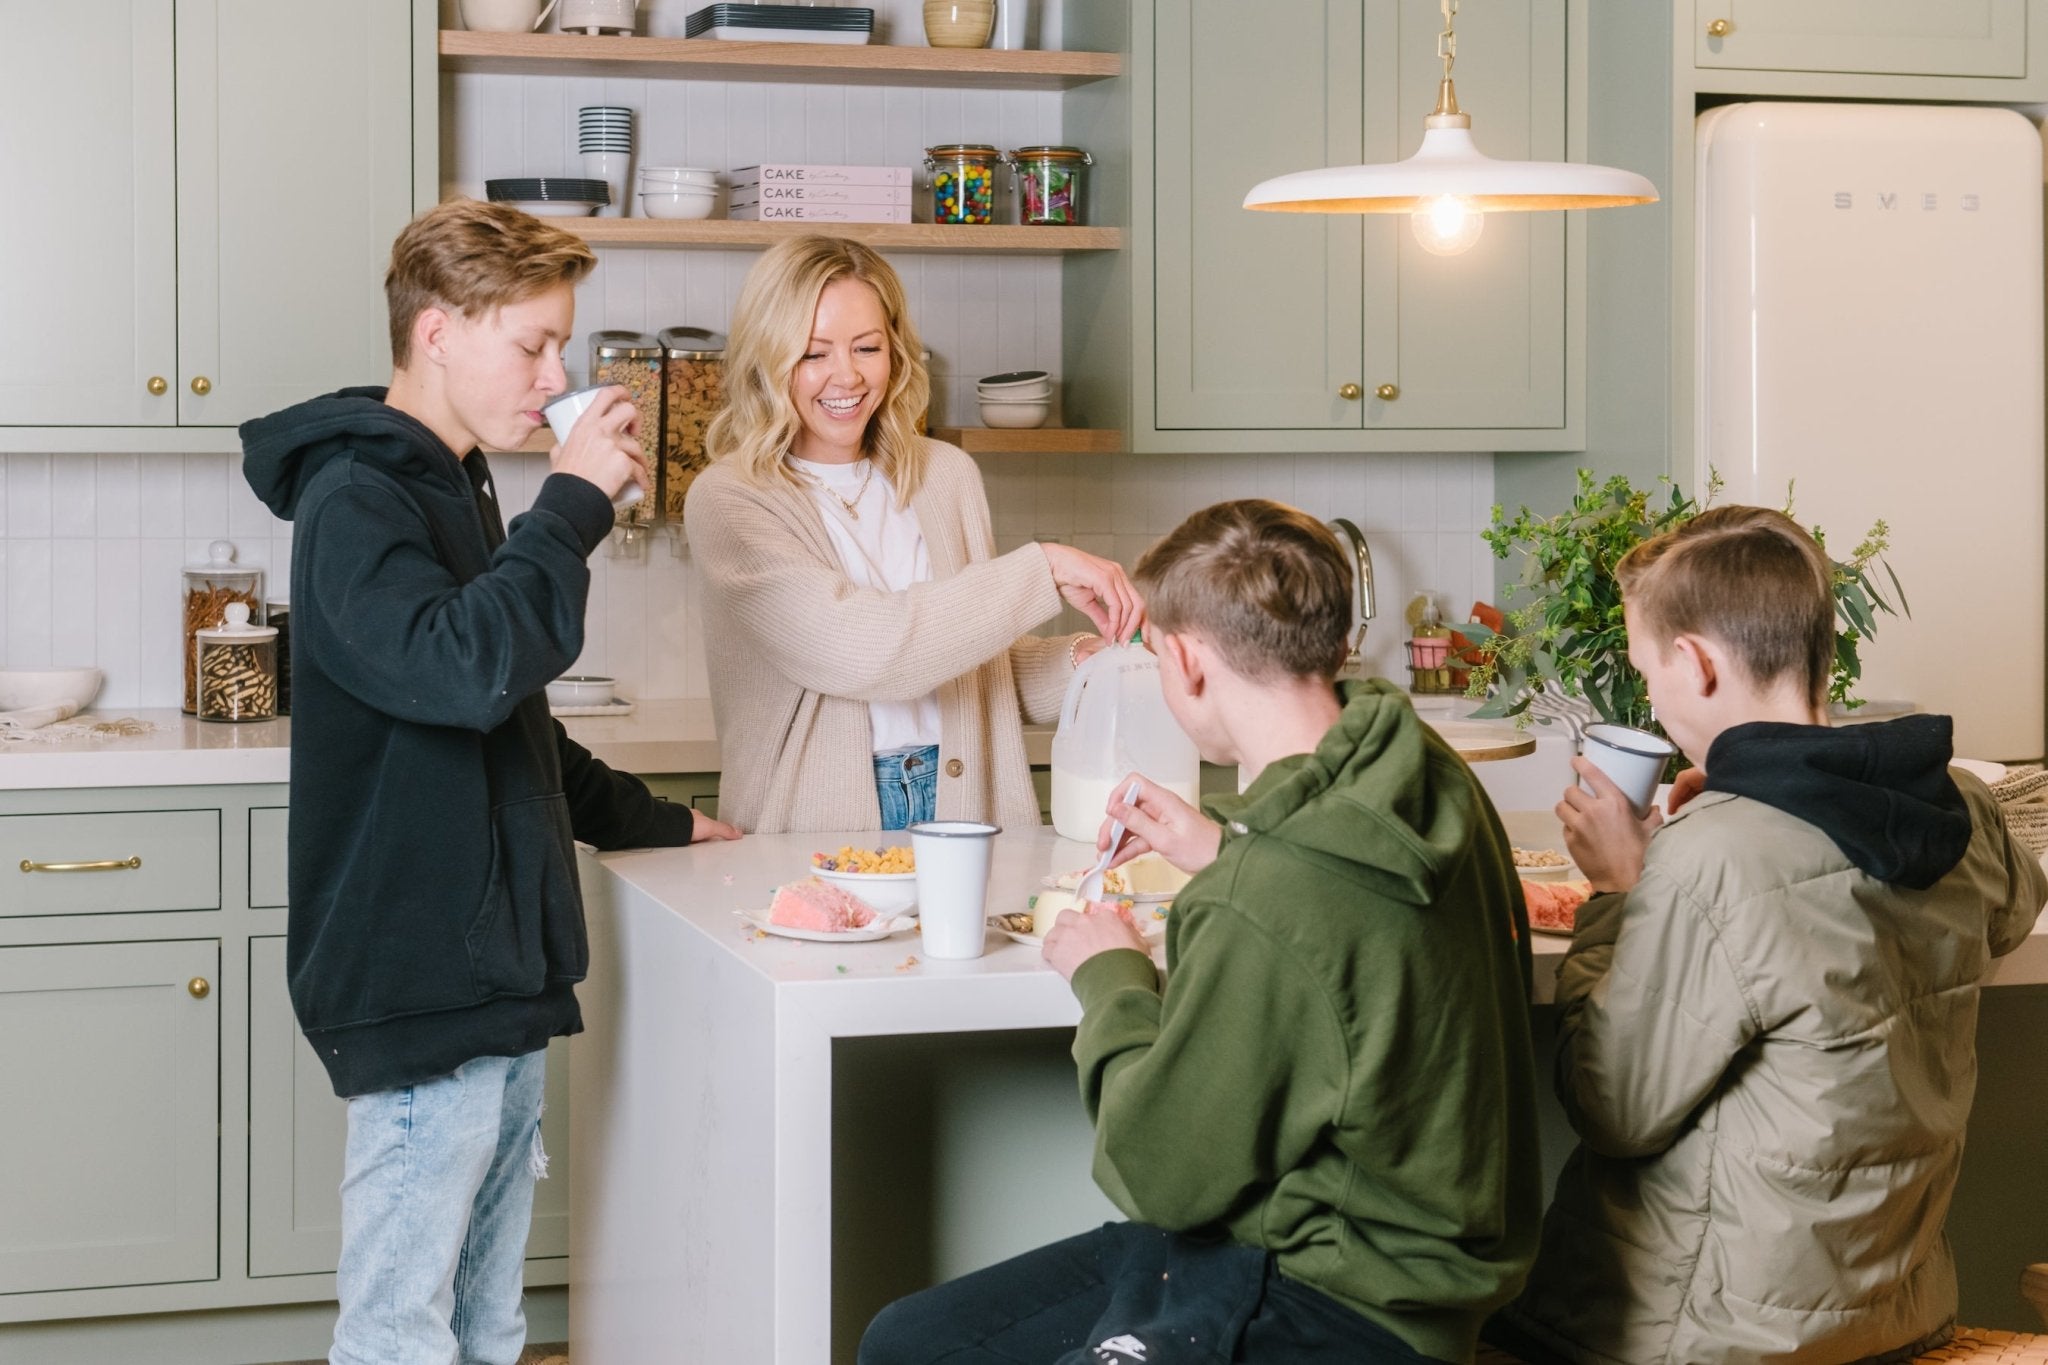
729, 234
1032, 440
570, 54
975, 440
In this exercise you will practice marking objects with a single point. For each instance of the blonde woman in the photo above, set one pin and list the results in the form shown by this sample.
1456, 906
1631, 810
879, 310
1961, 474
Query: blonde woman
867, 647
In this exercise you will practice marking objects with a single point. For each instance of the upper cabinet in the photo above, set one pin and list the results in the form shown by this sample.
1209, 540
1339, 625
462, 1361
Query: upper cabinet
1279, 331
235, 195
1880, 37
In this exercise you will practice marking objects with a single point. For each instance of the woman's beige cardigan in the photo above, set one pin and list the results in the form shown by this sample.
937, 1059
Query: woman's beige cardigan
796, 652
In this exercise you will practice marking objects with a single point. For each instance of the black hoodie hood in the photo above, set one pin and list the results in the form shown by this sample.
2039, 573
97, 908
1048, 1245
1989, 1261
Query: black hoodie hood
282, 452
1881, 791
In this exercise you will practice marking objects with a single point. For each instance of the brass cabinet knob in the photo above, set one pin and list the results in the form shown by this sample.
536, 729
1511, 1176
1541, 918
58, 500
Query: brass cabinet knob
158, 385
201, 385
1350, 393
1720, 28
199, 986
1387, 393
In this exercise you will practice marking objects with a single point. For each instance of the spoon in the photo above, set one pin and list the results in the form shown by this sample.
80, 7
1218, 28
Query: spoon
1090, 886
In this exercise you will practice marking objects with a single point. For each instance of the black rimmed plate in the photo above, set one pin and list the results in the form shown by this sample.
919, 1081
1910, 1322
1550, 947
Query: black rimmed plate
543, 188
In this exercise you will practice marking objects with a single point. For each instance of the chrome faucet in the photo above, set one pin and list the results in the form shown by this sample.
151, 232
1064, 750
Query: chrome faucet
1361, 554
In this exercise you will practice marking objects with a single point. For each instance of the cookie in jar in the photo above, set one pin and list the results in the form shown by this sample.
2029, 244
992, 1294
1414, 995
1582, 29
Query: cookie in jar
693, 390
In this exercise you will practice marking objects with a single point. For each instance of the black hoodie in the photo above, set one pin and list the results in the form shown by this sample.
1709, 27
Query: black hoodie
435, 914
1881, 791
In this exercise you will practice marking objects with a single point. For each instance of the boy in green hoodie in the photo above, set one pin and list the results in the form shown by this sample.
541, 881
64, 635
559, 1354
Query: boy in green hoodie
1323, 1125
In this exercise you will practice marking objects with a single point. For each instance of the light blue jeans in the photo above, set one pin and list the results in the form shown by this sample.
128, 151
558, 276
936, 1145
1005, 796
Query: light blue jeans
907, 786
436, 1197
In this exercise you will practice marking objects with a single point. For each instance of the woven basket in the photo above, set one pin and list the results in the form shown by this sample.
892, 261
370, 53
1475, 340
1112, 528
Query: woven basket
2023, 794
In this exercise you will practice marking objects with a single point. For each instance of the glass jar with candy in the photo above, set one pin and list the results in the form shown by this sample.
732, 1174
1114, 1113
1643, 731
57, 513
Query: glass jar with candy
963, 182
1049, 182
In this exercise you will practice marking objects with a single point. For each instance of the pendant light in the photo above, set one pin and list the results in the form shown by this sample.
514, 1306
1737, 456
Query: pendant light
1449, 185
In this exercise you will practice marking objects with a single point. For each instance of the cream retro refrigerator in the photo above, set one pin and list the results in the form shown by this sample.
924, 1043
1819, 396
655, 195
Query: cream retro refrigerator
1870, 332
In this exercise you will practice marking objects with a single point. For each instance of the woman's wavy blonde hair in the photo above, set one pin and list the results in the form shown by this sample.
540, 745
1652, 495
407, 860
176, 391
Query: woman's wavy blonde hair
771, 330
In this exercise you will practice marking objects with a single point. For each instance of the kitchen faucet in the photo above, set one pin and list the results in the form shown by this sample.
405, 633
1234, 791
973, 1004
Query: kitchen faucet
1361, 554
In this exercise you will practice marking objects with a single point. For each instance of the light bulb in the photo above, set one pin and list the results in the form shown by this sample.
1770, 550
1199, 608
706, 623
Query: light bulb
1447, 226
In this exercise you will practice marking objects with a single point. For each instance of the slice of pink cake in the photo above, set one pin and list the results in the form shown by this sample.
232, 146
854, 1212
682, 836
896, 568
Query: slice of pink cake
820, 906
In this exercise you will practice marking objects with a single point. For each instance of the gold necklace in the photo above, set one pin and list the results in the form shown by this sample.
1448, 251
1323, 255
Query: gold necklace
852, 507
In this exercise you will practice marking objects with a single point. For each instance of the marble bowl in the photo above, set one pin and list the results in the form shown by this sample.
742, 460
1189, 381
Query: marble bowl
959, 23
24, 688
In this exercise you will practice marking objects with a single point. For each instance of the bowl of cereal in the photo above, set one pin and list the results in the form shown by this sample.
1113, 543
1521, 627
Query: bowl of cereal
886, 878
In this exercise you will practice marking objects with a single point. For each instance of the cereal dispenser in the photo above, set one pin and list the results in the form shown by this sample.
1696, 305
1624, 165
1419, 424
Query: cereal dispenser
633, 360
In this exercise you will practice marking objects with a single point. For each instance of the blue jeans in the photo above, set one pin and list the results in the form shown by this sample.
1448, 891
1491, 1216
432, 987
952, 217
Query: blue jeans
907, 785
436, 1197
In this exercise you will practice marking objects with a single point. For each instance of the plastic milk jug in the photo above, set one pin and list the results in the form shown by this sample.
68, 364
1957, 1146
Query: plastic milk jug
1113, 723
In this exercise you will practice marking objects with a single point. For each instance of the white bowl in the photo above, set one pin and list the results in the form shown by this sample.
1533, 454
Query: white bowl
683, 203
890, 893
1014, 415
1043, 391
23, 688
1014, 380
581, 690
679, 175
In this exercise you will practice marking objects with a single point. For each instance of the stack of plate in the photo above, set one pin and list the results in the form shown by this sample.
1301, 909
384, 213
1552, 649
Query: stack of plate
551, 196
781, 23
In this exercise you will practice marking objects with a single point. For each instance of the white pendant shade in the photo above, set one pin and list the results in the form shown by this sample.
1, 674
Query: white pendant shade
1449, 163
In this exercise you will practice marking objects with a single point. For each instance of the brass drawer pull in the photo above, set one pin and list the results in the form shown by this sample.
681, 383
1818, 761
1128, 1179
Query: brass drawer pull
104, 865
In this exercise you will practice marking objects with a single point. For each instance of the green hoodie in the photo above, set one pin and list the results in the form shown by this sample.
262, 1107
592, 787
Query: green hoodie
1339, 1069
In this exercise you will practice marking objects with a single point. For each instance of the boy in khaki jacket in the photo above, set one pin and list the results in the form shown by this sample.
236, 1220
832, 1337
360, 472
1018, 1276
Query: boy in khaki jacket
1767, 1042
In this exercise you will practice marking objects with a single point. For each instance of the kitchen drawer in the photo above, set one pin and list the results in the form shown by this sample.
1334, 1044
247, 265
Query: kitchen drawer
110, 862
267, 884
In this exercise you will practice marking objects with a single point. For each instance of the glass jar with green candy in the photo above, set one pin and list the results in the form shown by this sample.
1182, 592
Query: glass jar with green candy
1049, 183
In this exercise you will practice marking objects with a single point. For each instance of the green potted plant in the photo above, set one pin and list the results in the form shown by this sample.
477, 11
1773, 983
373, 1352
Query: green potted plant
1570, 637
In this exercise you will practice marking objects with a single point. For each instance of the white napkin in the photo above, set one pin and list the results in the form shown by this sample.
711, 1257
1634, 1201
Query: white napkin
36, 717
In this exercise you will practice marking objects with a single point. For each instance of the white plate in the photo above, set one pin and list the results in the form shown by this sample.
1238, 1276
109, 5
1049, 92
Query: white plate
1986, 772
879, 929
555, 208
1151, 930
617, 706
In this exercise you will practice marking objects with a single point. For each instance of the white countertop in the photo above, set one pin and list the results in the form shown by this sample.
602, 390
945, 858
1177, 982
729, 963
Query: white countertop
706, 884
178, 751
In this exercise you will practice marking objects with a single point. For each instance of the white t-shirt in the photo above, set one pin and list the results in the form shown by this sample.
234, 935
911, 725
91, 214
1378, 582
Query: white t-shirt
881, 548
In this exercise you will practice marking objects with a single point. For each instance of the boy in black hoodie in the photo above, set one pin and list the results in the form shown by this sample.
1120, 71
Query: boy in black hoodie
1768, 1017
436, 927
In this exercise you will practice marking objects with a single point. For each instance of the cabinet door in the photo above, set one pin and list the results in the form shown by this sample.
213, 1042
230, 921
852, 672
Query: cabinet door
294, 174
110, 1155
89, 236
1889, 37
1259, 316
1481, 338
298, 1135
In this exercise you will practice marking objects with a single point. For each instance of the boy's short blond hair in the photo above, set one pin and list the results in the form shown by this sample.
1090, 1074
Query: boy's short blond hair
471, 258
1267, 584
1749, 577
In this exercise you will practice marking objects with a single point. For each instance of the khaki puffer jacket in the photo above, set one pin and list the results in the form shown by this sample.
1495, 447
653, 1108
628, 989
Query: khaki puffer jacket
1769, 1057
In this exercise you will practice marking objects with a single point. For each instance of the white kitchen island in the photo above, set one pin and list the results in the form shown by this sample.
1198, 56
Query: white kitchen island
705, 1122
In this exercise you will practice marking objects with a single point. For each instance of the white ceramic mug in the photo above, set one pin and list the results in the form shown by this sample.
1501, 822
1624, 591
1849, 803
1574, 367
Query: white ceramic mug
505, 16
1635, 759
562, 411
952, 885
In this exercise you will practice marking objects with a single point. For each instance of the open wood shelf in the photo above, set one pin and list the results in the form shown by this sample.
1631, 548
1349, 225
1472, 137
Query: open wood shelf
1032, 440
572, 54
945, 238
975, 440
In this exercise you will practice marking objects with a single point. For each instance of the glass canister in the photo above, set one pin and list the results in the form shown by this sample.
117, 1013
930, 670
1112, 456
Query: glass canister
278, 616
237, 672
963, 182
693, 390
210, 588
1049, 182
633, 359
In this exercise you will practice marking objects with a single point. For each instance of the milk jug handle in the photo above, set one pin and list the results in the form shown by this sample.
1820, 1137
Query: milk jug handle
1075, 686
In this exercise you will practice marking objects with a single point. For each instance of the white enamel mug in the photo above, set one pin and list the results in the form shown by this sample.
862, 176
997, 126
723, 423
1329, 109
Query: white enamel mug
952, 885
1635, 759
562, 411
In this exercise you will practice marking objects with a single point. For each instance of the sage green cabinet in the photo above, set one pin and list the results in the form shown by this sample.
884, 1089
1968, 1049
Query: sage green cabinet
110, 1154
1252, 327
1982, 38
110, 862
298, 1136
213, 221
